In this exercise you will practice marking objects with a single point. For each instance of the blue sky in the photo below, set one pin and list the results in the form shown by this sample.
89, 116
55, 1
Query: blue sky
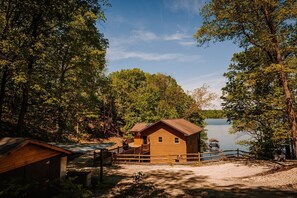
157, 36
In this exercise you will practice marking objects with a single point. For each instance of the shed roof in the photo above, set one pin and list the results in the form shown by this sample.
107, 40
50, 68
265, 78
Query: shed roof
10, 144
139, 126
185, 127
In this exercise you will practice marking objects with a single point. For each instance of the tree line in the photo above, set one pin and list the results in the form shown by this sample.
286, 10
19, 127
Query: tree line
214, 114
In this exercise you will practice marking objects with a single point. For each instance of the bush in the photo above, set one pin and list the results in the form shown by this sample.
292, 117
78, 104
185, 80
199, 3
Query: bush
19, 187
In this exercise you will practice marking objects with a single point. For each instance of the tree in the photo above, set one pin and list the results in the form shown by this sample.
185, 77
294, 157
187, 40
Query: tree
52, 63
269, 26
201, 98
253, 101
144, 97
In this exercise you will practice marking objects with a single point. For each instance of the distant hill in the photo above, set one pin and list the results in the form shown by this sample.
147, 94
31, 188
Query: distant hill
214, 114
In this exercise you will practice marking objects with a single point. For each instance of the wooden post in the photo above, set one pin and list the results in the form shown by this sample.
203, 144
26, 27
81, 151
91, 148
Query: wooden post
139, 158
237, 153
199, 157
101, 165
221, 155
94, 159
118, 149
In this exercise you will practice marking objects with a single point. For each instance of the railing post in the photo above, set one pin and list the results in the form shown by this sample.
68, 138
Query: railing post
118, 149
139, 158
199, 157
101, 165
237, 153
94, 159
221, 154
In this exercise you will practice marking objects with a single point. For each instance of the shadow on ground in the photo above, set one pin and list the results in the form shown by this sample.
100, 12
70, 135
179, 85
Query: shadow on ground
235, 191
181, 183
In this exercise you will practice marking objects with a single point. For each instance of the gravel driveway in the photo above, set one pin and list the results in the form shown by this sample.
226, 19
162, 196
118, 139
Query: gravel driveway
221, 179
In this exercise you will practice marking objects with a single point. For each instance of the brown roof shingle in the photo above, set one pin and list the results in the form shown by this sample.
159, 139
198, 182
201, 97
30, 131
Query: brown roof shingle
139, 127
10, 144
184, 126
181, 125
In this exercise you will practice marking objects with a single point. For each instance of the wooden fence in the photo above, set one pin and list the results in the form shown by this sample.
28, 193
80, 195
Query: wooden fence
189, 158
109, 155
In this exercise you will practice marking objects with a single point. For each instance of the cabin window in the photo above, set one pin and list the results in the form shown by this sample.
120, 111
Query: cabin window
160, 139
176, 140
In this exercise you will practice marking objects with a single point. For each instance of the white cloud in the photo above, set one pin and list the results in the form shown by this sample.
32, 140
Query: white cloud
175, 37
140, 35
191, 6
143, 35
187, 43
116, 54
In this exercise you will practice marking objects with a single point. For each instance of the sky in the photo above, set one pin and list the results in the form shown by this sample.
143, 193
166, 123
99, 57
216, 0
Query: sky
157, 36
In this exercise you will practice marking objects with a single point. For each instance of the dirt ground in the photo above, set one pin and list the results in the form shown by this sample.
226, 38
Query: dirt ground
218, 179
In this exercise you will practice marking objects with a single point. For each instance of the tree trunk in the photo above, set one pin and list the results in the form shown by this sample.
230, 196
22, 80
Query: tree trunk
35, 23
25, 97
24, 107
289, 103
60, 109
283, 77
2, 91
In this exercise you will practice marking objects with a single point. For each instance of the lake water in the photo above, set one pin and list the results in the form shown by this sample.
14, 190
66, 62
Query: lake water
219, 129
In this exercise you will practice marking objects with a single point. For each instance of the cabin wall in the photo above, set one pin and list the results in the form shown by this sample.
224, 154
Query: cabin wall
138, 141
26, 155
168, 145
192, 143
44, 170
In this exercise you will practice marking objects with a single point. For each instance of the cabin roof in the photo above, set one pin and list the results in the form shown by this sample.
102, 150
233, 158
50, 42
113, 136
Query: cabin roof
181, 125
140, 126
10, 144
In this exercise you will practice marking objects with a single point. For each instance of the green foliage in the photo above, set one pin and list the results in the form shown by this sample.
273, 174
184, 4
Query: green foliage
259, 95
253, 101
66, 188
52, 64
144, 97
19, 187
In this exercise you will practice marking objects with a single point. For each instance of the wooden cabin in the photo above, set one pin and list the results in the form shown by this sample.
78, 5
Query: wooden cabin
168, 137
22, 157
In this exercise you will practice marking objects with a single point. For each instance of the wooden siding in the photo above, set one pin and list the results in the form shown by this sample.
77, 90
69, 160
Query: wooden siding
28, 154
44, 170
138, 141
192, 143
167, 146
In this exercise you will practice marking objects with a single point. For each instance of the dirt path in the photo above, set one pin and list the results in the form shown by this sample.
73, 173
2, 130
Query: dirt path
222, 179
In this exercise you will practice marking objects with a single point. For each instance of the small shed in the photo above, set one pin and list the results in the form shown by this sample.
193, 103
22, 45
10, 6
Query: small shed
27, 158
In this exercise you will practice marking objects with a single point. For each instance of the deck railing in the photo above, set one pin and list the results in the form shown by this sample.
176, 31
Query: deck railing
189, 158
109, 155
